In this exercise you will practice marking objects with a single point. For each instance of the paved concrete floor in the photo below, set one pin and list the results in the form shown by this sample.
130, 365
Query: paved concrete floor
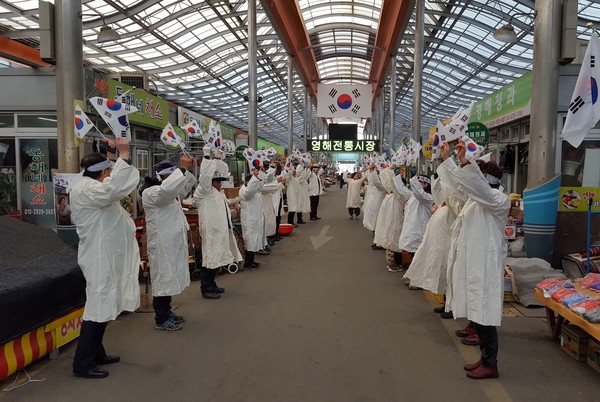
325, 324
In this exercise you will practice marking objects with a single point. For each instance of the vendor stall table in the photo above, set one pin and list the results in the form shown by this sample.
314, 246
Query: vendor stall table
559, 314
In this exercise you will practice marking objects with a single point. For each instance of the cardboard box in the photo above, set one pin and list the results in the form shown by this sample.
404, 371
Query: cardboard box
593, 354
574, 341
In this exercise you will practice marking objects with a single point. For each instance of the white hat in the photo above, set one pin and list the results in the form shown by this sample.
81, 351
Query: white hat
218, 176
423, 179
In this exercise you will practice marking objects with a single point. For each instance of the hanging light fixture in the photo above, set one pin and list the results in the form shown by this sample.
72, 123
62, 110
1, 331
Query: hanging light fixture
107, 34
506, 33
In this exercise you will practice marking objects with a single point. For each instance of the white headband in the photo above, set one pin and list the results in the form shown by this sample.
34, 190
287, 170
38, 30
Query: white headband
424, 179
493, 180
100, 166
167, 171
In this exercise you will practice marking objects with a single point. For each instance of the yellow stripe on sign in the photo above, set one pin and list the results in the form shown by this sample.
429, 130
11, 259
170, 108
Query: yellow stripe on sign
41, 341
27, 352
11, 359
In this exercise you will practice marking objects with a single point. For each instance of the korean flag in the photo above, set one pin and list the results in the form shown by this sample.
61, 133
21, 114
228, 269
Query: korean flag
584, 110
83, 124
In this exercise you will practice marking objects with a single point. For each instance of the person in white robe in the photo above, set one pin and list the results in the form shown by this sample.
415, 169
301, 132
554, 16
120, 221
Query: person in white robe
252, 217
315, 190
293, 194
477, 254
108, 253
416, 213
304, 207
353, 197
375, 193
271, 186
391, 217
167, 234
219, 247
429, 265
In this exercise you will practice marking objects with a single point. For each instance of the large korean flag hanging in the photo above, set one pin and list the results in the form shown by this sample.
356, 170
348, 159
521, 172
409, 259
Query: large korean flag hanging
584, 110
344, 100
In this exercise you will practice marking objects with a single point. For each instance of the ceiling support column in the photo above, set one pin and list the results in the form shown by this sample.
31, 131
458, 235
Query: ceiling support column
290, 87
69, 80
418, 71
392, 103
252, 92
542, 183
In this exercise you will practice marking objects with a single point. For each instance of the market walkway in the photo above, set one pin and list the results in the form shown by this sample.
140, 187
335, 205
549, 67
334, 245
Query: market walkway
329, 324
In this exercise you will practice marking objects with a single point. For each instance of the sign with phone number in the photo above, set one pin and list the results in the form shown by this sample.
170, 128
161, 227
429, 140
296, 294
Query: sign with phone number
343, 145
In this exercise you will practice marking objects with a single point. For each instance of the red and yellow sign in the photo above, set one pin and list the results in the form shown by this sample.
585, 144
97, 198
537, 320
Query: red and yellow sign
20, 352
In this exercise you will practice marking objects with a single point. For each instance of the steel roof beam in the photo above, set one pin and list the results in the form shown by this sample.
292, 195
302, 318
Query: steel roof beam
287, 19
395, 15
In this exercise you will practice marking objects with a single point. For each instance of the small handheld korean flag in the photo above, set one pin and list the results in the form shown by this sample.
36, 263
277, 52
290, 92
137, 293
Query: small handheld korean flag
83, 124
486, 158
193, 129
253, 158
114, 113
584, 110
213, 136
437, 140
413, 149
287, 167
473, 149
306, 158
262, 155
228, 146
399, 158
171, 139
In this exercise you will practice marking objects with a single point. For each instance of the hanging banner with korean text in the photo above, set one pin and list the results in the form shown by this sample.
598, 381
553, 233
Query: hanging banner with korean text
509, 103
343, 145
344, 100
37, 195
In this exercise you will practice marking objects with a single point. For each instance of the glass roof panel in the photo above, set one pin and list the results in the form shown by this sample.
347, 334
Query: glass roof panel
195, 52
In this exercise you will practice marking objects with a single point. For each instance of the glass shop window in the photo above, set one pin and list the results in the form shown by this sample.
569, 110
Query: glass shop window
8, 177
36, 121
7, 120
580, 166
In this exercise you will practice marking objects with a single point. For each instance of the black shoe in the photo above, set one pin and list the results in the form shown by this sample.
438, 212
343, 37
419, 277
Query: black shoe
301, 222
253, 265
439, 310
108, 359
313, 219
277, 238
447, 315
211, 295
376, 247
317, 218
217, 290
93, 373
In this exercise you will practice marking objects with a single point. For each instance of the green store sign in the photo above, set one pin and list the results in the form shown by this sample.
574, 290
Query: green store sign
479, 133
152, 110
511, 102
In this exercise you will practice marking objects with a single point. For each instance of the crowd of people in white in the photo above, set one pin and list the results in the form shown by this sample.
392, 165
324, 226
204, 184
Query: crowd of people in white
446, 234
